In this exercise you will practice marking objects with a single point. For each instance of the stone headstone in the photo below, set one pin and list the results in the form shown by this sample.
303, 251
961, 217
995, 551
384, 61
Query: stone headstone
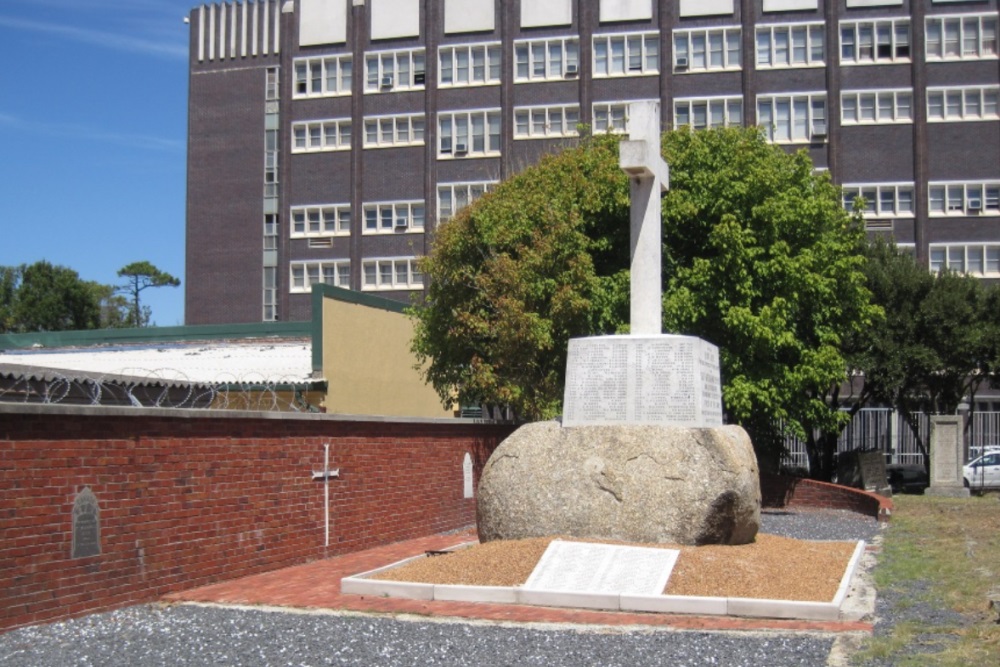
863, 470
632, 483
467, 491
86, 525
660, 379
582, 567
946, 457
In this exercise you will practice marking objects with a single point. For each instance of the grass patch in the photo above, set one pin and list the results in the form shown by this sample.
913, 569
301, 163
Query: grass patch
940, 560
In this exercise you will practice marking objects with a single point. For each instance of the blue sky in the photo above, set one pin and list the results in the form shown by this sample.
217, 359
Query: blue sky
93, 128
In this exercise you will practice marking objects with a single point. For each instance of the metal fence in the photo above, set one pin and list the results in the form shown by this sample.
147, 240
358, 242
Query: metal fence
884, 429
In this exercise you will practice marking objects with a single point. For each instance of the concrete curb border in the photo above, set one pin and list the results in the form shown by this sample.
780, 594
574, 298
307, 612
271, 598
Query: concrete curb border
362, 584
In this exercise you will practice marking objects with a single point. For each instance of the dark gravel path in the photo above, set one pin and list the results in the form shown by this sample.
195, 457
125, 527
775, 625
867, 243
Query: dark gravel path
148, 635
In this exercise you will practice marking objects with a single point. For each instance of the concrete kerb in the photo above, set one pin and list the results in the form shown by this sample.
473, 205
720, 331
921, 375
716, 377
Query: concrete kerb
363, 584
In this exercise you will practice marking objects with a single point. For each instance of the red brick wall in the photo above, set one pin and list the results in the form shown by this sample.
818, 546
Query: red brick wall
781, 491
189, 499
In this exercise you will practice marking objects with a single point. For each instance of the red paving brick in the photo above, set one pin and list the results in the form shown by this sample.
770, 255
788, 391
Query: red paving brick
316, 585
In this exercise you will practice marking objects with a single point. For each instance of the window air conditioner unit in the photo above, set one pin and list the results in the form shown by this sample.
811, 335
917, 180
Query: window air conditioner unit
401, 223
387, 82
571, 70
419, 78
461, 149
819, 131
975, 205
682, 64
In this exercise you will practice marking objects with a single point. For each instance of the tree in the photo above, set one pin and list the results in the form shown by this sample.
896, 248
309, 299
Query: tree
760, 259
9, 280
937, 344
142, 276
48, 298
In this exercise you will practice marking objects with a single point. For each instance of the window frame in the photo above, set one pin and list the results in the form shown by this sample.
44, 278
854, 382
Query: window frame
878, 96
725, 100
647, 67
811, 28
448, 139
341, 226
492, 72
470, 196
309, 128
412, 211
396, 120
416, 77
379, 263
816, 124
870, 27
946, 93
569, 130
687, 37
299, 281
303, 88
875, 210
534, 70
942, 21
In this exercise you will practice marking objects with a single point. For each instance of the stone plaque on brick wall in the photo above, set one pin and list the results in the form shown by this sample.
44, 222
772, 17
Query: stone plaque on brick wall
86, 525
467, 490
665, 380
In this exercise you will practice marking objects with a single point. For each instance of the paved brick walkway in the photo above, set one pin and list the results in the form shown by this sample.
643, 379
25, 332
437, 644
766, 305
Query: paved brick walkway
316, 585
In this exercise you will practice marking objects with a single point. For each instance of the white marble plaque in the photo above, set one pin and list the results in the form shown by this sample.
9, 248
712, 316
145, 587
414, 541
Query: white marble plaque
581, 567
663, 379
467, 491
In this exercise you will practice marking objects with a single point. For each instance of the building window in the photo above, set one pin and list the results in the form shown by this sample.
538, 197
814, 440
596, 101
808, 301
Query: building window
394, 217
626, 55
384, 131
978, 260
391, 273
469, 65
542, 122
702, 113
880, 200
963, 104
864, 107
271, 89
967, 37
865, 42
270, 164
390, 71
315, 221
453, 197
321, 135
785, 45
323, 77
707, 49
964, 199
469, 134
544, 59
793, 118
306, 274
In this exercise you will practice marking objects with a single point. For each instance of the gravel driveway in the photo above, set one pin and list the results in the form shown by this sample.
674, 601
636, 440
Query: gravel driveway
148, 635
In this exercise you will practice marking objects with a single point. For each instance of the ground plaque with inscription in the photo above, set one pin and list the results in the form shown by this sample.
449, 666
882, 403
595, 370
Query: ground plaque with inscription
86, 525
581, 567
662, 379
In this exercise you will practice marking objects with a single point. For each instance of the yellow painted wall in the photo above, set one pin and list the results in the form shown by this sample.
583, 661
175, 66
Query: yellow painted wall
368, 365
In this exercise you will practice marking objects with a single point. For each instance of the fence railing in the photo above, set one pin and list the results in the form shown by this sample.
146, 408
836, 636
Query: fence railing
886, 430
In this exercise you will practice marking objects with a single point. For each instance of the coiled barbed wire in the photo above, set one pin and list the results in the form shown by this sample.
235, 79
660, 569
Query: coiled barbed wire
159, 388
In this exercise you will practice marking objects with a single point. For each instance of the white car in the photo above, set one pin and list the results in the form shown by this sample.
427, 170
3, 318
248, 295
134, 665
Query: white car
983, 472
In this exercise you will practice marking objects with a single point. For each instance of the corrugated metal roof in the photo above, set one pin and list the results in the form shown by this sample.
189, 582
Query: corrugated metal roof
201, 363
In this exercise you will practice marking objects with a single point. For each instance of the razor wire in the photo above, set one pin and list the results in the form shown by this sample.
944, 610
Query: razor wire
159, 388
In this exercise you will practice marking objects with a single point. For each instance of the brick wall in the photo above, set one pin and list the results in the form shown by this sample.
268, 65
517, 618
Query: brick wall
781, 491
188, 498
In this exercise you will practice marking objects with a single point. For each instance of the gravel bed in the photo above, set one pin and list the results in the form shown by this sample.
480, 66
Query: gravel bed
185, 635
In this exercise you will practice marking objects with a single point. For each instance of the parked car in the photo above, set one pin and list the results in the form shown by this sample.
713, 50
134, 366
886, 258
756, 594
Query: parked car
983, 472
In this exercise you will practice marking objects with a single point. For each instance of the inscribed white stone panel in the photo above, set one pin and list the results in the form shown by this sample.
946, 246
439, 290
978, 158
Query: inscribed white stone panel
706, 7
395, 18
468, 15
322, 22
626, 10
873, 3
540, 13
789, 5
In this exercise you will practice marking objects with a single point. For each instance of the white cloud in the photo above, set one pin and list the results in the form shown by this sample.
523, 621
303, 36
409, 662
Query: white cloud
135, 44
91, 134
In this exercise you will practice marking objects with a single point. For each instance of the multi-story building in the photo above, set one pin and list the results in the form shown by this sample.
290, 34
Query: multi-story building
327, 138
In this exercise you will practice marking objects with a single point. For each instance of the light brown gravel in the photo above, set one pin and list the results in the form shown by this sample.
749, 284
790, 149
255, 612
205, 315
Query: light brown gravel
772, 567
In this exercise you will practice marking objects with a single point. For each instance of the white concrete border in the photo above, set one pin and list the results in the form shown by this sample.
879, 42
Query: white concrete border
362, 584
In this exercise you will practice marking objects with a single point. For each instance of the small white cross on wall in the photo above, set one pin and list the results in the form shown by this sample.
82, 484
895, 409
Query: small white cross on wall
649, 176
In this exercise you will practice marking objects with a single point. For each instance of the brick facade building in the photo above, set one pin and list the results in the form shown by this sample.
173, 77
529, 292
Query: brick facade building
327, 138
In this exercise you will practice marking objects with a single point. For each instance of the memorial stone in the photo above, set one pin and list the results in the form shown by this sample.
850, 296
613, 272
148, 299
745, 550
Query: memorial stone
86, 525
946, 457
582, 567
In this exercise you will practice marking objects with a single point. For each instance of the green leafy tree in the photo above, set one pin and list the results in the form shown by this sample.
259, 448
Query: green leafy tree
141, 276
9, 279
938, 342
760, 259
51, 298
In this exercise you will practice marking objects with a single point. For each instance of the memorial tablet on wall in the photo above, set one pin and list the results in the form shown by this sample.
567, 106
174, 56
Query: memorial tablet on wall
86, 525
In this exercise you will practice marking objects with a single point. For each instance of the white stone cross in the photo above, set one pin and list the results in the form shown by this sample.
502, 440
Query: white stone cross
639, 157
